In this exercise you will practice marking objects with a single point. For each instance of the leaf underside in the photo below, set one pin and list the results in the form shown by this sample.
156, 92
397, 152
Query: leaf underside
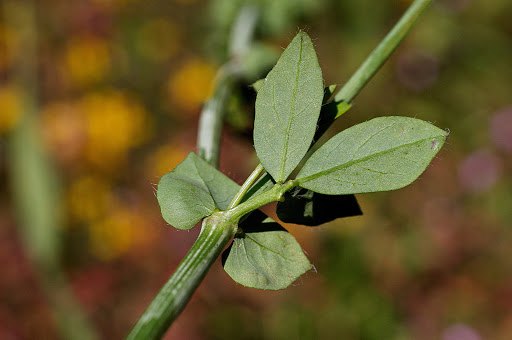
302, 206
287, 109
264, 255
382, 154
195, 188
193, 191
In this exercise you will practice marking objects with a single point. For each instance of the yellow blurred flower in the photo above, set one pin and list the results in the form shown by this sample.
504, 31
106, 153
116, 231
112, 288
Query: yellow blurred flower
165, 159
10, 107
115, 123
118, 232
158, 40
87, 59
89, 198
191, 85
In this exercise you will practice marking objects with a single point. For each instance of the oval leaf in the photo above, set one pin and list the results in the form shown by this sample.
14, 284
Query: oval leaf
287, 109
264, 255
382, 154
193, 191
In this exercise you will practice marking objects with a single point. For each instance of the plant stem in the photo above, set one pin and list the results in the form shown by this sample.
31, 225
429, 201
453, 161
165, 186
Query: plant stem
212, 115
382, 52
216, 232
246, 186
219, 228
272, 195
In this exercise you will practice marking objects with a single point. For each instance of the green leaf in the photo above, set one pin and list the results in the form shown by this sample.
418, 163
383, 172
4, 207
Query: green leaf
302, 206
258, 84
287, 109
193, 191
264, 255
382, 154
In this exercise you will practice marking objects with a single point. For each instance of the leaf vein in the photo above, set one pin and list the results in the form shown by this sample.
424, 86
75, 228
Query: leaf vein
352, 162
268, 249
370, 138
292, 106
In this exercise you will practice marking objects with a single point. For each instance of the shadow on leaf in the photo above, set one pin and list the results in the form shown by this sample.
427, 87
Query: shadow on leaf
302, 206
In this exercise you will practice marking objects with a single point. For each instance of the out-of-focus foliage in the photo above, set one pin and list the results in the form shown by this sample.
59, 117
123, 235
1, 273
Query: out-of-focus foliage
120, 87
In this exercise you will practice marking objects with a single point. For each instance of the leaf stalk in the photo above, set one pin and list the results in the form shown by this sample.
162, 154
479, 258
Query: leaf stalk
246, 186
272, 195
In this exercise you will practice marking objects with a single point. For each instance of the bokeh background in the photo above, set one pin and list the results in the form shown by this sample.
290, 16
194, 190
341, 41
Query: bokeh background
99, 98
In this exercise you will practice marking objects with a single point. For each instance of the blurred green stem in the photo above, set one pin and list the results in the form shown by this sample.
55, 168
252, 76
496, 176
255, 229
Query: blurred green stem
382, 52
34, 183
216, 231
212, 116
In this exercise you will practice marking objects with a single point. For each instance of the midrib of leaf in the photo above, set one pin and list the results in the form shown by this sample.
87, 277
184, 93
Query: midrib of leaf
287, 130
359, 160
264, 247
205, 182
258, 268
191, 182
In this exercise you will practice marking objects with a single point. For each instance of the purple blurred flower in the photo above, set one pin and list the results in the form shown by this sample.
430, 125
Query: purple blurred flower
417, 70
455, 6
460, 332
501, 129
479, 171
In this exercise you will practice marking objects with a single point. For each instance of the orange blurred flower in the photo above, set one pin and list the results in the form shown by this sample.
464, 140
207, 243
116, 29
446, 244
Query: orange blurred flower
191, 85
165, 159
87, 59
63, 131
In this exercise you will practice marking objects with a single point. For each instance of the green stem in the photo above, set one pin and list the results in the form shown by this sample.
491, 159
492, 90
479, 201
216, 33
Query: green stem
246, 186
212, 116
221, 226
217, 230
215, 234
272, 195
382, 52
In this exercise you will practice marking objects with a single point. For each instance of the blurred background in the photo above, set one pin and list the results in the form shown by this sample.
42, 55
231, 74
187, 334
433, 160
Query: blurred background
100, 98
